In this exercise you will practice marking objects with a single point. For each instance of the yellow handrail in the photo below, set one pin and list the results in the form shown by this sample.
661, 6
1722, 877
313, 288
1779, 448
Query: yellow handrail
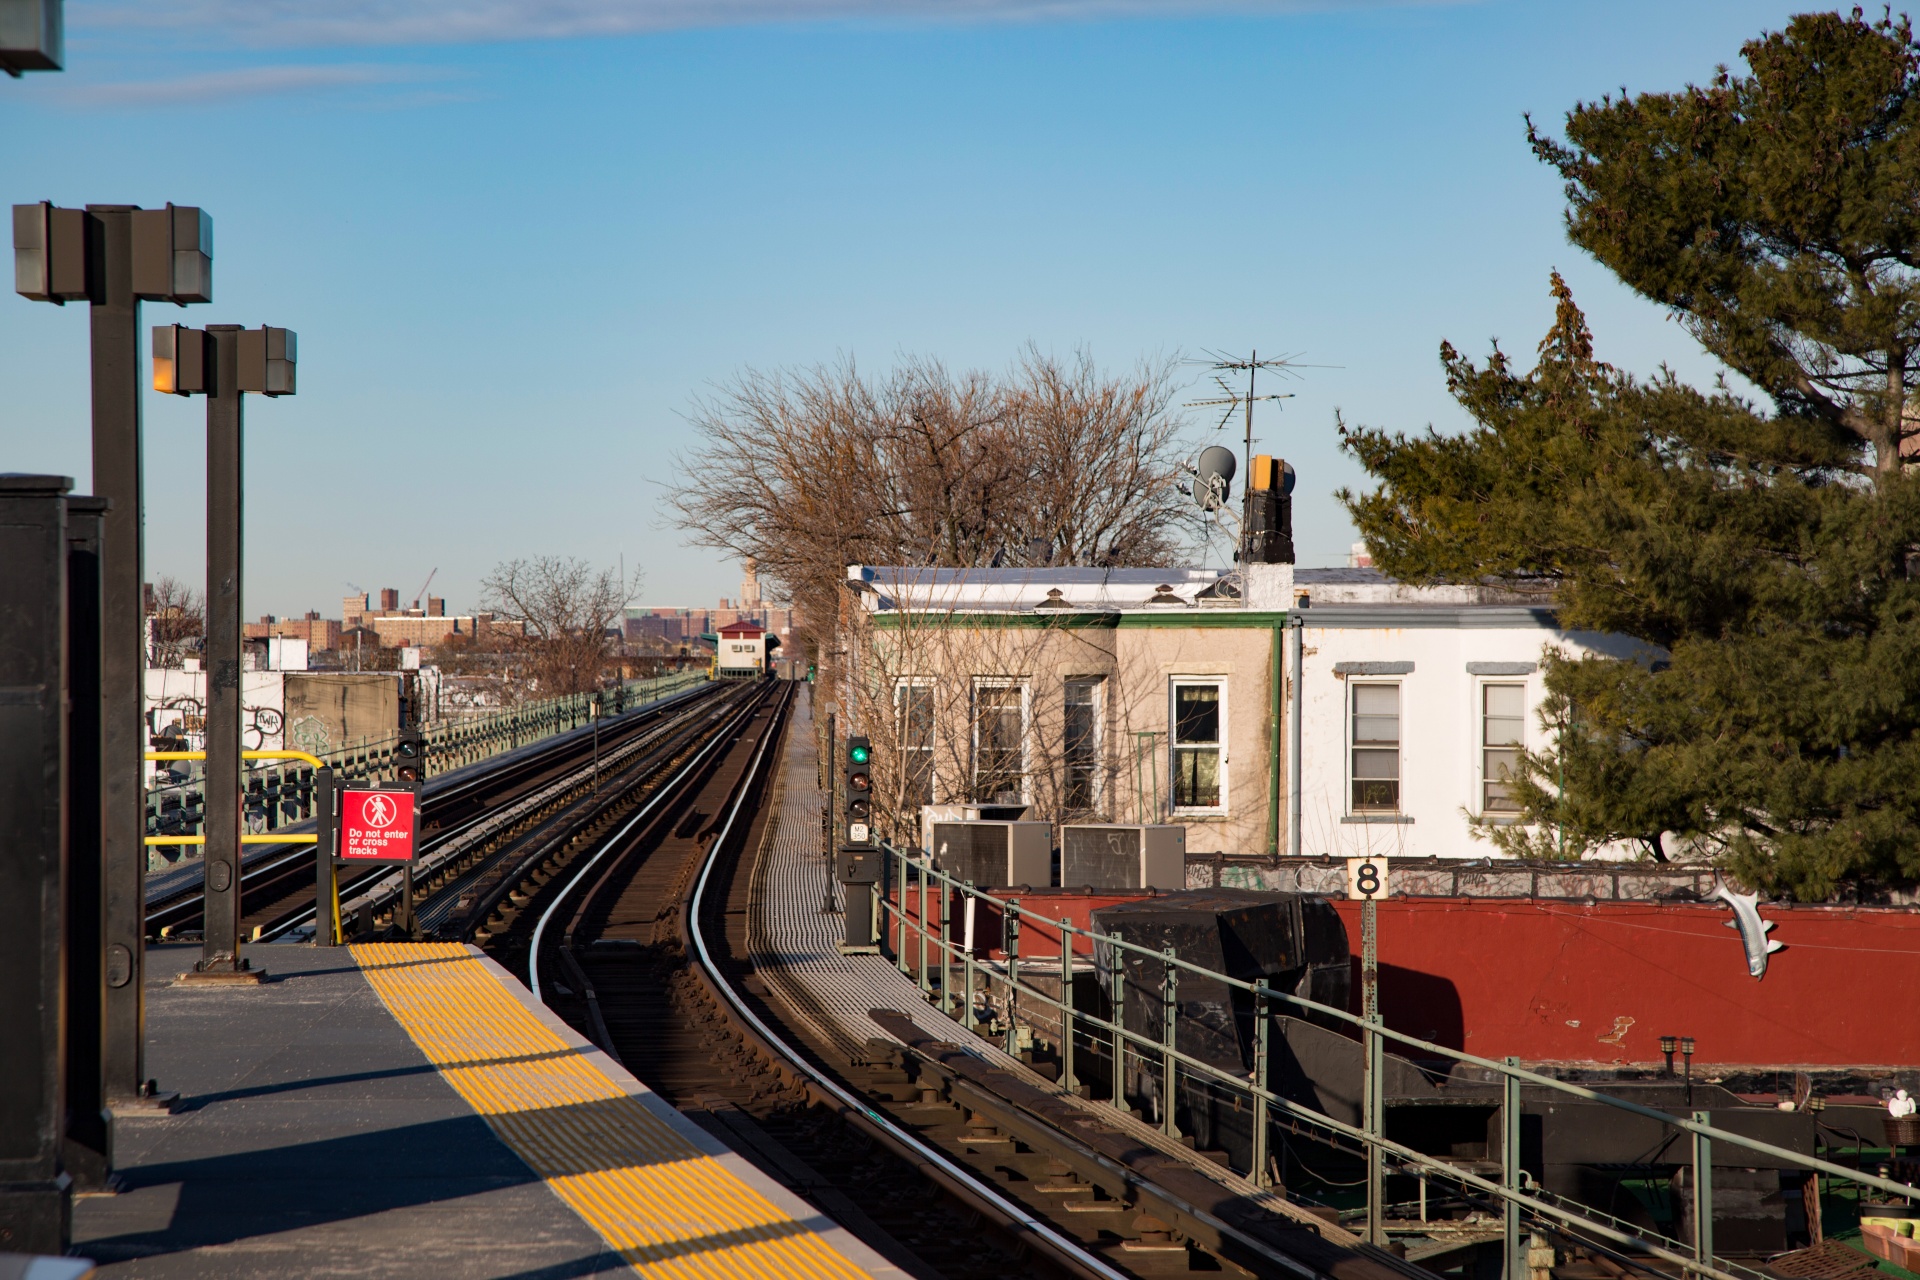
315, 761
261, 839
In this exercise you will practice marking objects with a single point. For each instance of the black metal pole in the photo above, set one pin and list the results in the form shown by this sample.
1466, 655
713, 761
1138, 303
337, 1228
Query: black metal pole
829, 822
88, 1155
323, 887
114, 321
220, 950
34, 1192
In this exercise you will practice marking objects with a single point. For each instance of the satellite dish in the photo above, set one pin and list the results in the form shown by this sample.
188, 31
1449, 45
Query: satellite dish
1213, 477
1286, 479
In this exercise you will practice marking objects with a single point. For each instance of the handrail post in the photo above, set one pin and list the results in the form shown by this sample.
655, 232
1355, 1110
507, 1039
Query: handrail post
900, 916
920, 907
946, 950
1374, 1122
1119, 981
1012, 917
1703, 1192
1261, 1019
1516, 1262
1066, 1006
1169, 1017
969, 903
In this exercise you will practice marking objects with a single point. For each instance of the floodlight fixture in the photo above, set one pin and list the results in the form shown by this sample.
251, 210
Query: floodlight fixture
49, 252
179, 360
173, 254
31, 36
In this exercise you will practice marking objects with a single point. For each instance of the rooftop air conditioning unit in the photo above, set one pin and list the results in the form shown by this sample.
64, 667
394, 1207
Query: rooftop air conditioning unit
1106, 855
971, 812
995, 854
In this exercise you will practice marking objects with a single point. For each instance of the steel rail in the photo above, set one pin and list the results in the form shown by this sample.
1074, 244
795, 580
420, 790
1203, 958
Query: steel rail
665, 791
489, 773
1014, 1214
663, 721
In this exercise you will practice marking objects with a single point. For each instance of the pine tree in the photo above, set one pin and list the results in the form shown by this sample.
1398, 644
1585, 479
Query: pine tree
1775, 213
1767, 711
1762, 560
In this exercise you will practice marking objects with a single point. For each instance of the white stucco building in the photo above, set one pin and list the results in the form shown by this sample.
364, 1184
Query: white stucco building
1166, 695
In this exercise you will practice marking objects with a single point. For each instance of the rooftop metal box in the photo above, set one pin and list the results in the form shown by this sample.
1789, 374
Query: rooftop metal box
1110, 855
995, 854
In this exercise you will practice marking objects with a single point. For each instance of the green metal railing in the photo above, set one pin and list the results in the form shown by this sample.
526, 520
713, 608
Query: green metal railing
908, 884
277, 795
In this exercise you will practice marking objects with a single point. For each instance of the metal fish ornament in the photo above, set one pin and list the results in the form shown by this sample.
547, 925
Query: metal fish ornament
1753, 930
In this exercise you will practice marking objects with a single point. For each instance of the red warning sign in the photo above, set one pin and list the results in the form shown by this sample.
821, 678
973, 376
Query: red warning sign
376, 826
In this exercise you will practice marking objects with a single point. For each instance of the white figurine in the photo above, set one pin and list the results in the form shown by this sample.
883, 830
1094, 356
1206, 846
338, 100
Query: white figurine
1900, 1105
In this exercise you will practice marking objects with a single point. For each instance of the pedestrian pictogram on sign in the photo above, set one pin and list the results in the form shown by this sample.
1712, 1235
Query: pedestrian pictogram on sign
376, 826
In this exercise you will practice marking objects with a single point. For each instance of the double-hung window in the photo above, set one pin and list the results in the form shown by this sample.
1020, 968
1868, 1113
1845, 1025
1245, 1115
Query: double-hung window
1080, 747
999, 742
913, 710
1503, 722
1375, 748
1199, 745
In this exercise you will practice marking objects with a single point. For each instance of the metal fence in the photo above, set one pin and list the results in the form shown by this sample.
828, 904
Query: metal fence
916, 904
280, 795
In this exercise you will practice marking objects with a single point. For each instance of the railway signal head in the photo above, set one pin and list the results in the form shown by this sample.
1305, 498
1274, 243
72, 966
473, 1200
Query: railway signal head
859, 791
410, 757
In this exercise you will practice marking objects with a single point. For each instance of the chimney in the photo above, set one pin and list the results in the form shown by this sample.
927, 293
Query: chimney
436, 606
389, 599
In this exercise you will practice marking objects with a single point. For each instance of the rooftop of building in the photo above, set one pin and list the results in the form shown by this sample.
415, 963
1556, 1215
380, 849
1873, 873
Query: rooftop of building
892, 588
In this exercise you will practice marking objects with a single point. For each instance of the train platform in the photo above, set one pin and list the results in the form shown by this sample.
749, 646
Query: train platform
407, 1109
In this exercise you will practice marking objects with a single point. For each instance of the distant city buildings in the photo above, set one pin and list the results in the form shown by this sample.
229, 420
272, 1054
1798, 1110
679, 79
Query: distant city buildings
672, 628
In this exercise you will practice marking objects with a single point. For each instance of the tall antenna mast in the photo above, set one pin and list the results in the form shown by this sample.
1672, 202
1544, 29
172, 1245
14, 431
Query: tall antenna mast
1221, 365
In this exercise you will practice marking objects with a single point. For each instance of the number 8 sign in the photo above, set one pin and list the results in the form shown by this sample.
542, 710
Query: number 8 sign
1367, 878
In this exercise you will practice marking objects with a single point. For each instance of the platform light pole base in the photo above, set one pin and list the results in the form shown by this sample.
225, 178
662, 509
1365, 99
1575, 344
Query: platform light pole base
36, 1217
244, 975
151, 1106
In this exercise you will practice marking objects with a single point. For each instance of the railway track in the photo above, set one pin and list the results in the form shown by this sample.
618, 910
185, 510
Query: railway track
642, 942
277, 887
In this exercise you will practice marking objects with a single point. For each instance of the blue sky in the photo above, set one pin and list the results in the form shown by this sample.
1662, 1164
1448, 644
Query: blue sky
517, 240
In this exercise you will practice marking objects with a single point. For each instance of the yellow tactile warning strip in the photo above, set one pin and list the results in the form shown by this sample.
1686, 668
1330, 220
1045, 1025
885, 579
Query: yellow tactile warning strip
665, 1206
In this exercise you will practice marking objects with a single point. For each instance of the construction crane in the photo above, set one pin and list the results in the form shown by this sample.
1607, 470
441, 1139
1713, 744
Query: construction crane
423, 587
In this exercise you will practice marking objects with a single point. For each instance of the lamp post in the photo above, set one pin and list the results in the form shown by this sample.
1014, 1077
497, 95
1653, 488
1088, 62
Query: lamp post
223, 363
1667, 1045
112, 257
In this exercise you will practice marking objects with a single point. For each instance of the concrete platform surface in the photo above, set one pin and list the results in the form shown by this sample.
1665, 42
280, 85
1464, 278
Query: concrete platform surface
317, 1136
313, 1138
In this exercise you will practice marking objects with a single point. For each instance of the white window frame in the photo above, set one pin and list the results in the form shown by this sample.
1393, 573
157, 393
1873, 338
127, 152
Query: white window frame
1399, 809
1098, 804
1026, 733
932, 749
1174, 685
1480, 742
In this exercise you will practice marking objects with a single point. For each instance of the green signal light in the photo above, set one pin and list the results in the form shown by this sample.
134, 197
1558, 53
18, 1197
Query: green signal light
859, 755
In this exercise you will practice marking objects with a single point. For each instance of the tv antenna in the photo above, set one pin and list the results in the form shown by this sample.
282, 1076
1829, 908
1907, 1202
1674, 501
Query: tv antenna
1222, 365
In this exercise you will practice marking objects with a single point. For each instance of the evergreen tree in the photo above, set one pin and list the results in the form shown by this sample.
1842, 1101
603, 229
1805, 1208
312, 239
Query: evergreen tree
1776, 214
1764, 560
1770, 713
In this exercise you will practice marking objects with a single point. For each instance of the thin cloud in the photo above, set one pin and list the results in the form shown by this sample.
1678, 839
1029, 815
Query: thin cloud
389, 22
244, 82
